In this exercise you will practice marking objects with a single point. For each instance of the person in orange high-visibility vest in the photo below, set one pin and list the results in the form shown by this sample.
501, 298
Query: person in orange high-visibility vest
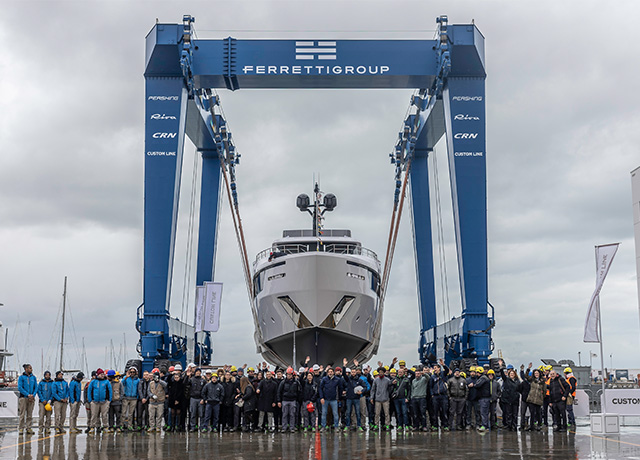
545, 405
573, 384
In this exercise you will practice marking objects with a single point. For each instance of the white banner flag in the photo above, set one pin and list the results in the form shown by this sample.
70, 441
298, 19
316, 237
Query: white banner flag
213, 298
604, 257
199, 308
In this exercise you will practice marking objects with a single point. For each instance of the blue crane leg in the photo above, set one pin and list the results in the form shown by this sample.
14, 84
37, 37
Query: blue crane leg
166, 100
209, 205
207, 237
423, 247
464, 107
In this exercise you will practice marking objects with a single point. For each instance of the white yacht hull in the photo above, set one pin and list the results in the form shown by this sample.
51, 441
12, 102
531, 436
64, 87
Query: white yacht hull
327, 302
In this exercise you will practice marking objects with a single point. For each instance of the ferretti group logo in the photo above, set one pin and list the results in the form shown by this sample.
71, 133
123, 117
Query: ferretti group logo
316, 50
310, 58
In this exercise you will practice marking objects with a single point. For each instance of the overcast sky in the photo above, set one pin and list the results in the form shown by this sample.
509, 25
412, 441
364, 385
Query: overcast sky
562, 115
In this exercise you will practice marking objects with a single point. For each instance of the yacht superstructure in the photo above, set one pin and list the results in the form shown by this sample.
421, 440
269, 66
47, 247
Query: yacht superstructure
316, 294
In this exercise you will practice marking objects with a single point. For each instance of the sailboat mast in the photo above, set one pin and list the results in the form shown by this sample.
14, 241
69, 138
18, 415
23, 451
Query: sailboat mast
64, 307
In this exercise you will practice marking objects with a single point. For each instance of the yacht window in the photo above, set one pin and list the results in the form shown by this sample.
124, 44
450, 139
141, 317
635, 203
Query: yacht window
294, 312
338, 312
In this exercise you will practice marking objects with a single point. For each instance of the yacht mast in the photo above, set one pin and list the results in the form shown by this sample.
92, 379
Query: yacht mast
64, 307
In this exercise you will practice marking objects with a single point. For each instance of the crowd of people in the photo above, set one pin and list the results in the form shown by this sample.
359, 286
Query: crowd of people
230, 398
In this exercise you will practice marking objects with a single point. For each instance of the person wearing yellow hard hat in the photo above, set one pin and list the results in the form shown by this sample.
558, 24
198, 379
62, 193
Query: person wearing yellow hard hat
473, 419
458, 393
573, 385
546, 405
419, 391
494, 387
45, 397
483, 395
231, 387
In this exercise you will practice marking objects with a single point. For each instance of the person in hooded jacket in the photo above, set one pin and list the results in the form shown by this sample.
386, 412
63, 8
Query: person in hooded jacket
60, 396
250, 404
267, 401
536, 396
510, 398
45, 395
75, 400
177, 401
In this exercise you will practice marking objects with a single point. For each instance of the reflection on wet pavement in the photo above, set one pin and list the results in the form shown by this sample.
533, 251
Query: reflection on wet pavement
322, 445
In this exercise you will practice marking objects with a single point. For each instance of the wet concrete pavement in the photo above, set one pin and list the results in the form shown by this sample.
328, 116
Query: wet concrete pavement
342, 446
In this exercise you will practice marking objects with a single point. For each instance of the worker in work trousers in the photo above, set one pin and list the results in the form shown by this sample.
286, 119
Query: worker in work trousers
289, 391
157, 395
458, 392
60, 394
27, 388
115, 408
75, 397
99, 395
45, 393
129, 387
573, 384
439, 395
196, 410
496, 391
380, 397
483, 394
142, 410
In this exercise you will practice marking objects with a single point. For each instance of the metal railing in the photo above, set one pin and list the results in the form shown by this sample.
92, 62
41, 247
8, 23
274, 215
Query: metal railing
333, 248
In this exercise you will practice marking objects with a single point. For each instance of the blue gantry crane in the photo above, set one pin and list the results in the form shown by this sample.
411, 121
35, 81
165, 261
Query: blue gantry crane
448, 74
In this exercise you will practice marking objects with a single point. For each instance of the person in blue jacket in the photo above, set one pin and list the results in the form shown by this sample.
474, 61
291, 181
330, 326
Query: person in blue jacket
45, 395
27, 388
75, 401
99, 395
331, 387
60, 396
129, 398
